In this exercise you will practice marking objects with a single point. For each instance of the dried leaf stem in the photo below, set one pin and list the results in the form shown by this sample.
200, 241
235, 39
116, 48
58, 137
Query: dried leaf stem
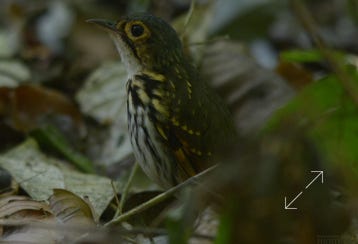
159, 198
126, 189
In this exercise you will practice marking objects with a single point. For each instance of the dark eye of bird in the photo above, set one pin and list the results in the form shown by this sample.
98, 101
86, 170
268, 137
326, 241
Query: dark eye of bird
137, 30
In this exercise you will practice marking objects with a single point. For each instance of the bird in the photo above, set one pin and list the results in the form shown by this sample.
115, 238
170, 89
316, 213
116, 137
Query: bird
178, 125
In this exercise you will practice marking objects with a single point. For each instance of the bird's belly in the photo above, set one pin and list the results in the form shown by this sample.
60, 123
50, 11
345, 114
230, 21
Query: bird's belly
149, 151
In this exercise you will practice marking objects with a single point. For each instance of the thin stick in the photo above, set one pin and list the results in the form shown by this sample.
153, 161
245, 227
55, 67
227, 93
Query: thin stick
309, 24
126, 190
115, 191
159, 198
188, 18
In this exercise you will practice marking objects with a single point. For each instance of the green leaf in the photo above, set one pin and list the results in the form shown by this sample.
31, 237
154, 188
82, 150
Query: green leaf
49, 137
307, 56
179, 229
177, 233
302, 56
330, 117
225, 228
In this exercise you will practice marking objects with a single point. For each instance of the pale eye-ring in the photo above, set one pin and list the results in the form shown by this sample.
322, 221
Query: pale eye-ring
137, 30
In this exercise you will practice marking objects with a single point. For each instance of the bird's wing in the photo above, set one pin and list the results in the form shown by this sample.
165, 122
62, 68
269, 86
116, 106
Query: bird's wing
184, 134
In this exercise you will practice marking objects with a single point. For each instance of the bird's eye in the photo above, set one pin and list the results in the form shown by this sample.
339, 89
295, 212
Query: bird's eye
137, 30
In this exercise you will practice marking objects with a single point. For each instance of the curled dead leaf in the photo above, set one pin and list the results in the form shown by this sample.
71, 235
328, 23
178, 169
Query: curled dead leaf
21, 207
75, 214
71, 209
27, 218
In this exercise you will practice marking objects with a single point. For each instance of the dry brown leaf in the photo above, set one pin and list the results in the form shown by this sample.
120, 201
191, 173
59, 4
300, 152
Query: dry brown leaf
28, 218
295, 74
26, 107
21, 207
34, 222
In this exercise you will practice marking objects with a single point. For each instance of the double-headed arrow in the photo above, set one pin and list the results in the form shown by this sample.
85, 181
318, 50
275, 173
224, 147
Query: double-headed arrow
320, 173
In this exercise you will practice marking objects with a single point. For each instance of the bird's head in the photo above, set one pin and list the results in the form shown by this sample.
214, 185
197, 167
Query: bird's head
145, 42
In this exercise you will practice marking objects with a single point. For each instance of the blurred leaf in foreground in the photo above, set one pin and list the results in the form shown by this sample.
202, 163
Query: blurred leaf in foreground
252, 206
330, 117
317, 130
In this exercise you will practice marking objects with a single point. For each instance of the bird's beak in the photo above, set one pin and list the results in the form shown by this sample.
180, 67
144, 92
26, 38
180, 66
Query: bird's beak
106, 24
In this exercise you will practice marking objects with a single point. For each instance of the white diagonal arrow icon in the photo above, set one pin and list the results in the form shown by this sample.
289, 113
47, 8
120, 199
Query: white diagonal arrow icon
320, 173
287, 206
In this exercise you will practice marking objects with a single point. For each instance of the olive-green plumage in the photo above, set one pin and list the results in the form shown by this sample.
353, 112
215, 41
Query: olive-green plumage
177, 123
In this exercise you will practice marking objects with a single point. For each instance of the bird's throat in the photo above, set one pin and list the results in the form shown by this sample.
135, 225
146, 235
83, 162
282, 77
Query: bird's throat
127, 54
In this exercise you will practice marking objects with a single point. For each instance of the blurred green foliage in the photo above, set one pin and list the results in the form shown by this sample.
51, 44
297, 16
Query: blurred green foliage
328, 114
